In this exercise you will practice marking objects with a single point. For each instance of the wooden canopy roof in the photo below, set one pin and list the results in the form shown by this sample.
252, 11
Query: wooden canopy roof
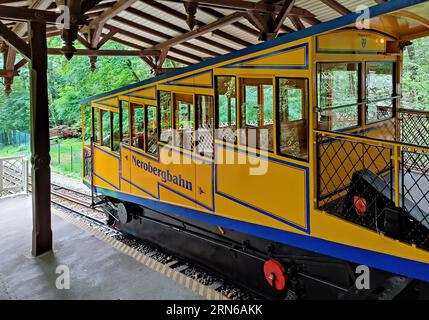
185, 31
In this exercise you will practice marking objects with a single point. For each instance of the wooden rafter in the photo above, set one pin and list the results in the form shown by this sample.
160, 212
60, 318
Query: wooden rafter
97, 53
200, 24
297, 23
162, 35
118, 7
15, 41
106, 38
152, 42
241, 5
8, 73
269, 24
202, 30
43, 16
136, 46
338, 7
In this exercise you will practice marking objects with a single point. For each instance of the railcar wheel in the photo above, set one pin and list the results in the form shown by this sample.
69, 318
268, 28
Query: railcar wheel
124, 214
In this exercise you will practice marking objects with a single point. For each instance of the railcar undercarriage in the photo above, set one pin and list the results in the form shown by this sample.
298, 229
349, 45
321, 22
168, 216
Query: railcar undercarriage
270, 270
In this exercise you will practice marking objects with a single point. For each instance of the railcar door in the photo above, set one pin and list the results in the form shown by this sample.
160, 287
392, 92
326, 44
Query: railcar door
204, 149
125, 143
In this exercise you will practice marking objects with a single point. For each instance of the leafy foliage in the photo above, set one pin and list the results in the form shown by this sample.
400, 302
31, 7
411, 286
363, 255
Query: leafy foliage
415, 88
68, 82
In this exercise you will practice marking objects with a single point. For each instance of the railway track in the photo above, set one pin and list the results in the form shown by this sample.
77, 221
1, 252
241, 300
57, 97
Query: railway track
78, 205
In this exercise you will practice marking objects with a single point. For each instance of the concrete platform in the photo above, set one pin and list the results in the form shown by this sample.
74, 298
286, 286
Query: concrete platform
97, 270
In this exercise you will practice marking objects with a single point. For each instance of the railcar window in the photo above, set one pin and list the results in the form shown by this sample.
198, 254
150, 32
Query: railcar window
379, 91
116, 127
165, 118
96, 121
138, 126
125, 119
184, 121
105, 129
293, 117
87, 123
257, 121
226, 106
205, 126
338, 95
152, 130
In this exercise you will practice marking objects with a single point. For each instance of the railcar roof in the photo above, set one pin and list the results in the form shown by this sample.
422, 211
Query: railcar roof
402, 19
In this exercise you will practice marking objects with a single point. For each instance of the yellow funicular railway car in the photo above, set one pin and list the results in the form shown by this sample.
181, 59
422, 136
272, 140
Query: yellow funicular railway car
290, 167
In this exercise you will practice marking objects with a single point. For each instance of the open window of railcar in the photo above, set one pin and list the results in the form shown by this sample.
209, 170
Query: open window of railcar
152, 130
292, 117
137, 125
96, 125
87, 124
125, 121
205, 126
106, 138
257, 113
338, 95
116, 131
184, 121
166, 119
380, 90
226, 106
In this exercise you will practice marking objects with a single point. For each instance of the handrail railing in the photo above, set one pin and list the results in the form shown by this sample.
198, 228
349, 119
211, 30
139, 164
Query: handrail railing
357, 104
360, 138
414, 111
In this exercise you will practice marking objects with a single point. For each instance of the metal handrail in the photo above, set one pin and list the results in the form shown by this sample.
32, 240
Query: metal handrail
414, 111
372, 140
318, 110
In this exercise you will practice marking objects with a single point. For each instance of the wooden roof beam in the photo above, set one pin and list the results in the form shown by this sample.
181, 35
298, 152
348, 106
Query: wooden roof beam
25, 14
135, 46
118, 7
14, 41
269, 24
104, 53
241, 5
175, 27
163, 35
106, 38
338, 7
201, 30
153, 43
8, 73
297, 23
238, 25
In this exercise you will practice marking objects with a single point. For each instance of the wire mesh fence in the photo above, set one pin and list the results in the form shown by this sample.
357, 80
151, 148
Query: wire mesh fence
66, 158
414, 128
354, 180
358, 182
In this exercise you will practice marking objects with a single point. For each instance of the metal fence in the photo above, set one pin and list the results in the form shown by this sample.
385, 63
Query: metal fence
66, 158
13, 176
14, 138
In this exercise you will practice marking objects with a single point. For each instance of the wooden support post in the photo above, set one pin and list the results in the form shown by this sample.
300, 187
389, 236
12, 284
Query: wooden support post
40, 158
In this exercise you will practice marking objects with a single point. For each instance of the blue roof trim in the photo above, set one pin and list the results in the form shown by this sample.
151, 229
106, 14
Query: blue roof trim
374, 11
